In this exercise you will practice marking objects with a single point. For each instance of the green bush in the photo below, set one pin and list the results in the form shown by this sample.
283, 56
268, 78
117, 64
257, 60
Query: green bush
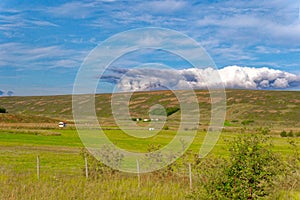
252, 168
172, 110
227, 123
290, 134
161, 111
264, 131
247, 122
283, 134
248, 174
2, 110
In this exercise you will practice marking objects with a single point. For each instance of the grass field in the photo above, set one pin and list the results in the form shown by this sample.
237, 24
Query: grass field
29, 129
62, 166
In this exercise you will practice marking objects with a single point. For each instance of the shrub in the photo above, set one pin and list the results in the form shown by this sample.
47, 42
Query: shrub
290, 134
287, 186
264, 131
253, 167
97, 168
172, 110
2, 110
247, 122
167, 111
227, 123
283, 134
248, 174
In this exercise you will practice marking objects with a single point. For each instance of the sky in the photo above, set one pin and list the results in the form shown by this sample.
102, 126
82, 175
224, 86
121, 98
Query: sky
254, 44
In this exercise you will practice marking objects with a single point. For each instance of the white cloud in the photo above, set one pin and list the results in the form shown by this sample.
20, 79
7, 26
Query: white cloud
257, 78
41, 23
281, 83
24, 56
18, 20
72, 9
160, 7
254, 26
139, 79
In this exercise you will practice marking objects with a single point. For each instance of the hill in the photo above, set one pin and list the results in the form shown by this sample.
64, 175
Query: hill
21, 118
258, 107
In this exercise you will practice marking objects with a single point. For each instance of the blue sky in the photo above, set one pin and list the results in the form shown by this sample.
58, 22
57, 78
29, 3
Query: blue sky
43, 43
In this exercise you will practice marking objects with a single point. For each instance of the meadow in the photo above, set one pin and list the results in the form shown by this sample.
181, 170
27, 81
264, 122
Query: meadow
62, 166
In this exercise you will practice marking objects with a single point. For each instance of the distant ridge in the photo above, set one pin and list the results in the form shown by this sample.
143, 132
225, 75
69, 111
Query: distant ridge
264, 107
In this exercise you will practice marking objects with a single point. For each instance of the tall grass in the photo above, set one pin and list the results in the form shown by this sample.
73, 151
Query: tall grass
58, 186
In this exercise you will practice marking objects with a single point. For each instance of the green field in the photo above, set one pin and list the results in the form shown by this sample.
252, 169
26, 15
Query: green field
62, 165
29, 129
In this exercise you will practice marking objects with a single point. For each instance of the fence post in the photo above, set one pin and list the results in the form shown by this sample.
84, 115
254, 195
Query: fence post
86, 167
190, 175
250, 197
38, 167
234, 183
138, 172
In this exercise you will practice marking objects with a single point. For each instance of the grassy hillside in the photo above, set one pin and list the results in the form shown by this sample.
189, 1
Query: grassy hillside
243, 106
22, 118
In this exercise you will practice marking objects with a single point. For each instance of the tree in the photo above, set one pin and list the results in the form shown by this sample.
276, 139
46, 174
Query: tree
283, 134
2, 110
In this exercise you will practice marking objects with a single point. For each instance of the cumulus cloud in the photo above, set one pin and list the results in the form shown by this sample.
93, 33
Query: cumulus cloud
141, 79
257, 78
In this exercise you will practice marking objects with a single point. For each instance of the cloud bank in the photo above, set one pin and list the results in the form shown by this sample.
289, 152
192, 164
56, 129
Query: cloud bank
143, 79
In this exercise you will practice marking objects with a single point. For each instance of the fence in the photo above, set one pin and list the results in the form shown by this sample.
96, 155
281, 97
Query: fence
138, 174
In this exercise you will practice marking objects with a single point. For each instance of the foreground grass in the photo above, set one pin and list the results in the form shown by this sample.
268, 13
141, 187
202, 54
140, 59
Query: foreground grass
59, 186
24, 185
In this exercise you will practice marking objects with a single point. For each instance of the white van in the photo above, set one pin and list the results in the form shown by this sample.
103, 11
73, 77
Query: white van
61, 124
